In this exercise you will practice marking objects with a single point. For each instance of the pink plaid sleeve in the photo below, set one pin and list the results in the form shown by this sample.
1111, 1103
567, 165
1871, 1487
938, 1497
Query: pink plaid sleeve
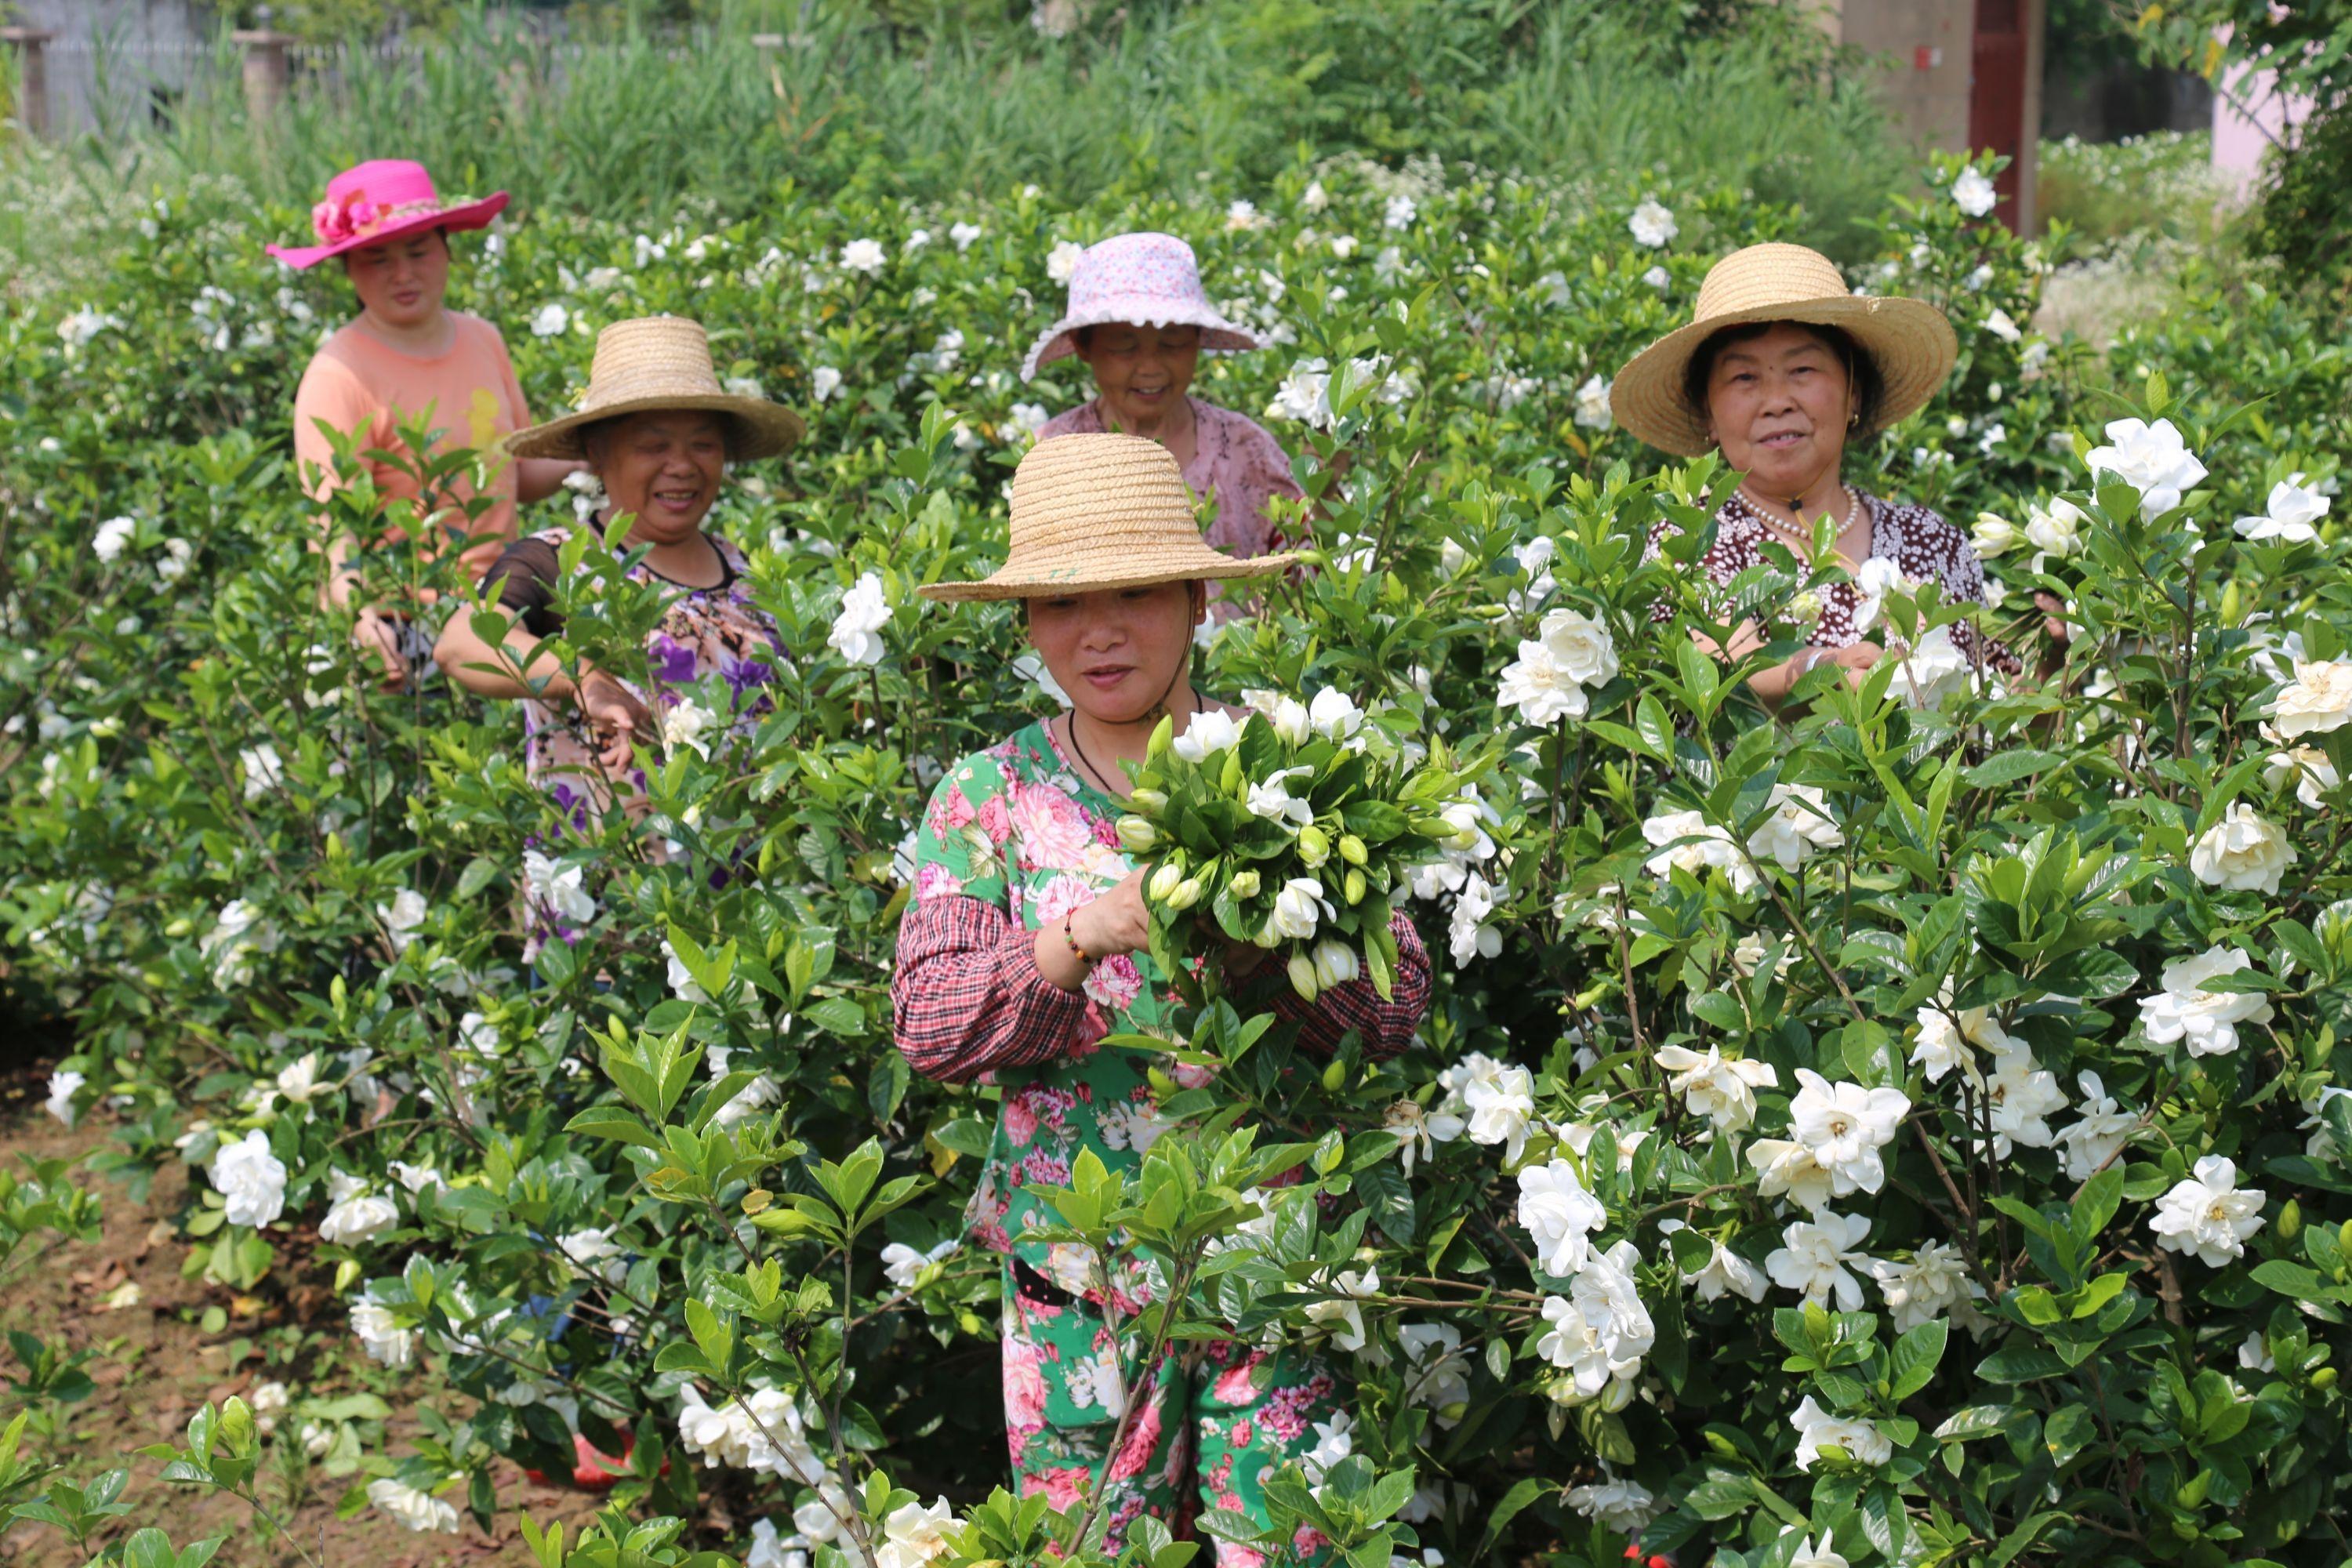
1386, 1026
967, 996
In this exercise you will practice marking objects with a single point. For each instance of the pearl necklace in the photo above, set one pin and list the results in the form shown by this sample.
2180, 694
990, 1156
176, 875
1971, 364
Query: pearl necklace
1788, 533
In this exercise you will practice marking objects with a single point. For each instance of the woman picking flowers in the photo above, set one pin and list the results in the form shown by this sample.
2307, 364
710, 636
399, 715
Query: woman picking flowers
1028, 942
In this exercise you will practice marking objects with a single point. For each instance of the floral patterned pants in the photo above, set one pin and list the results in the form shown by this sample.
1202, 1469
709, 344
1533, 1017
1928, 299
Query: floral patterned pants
1212, 1419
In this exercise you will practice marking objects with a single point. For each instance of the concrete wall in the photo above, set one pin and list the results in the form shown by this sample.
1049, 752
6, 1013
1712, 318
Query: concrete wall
117, 59
1926, 44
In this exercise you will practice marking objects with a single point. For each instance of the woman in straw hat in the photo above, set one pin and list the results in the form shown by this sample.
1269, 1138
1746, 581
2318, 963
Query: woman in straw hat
1780, 367
1140, 319
406, 357
1025, 945
656, 428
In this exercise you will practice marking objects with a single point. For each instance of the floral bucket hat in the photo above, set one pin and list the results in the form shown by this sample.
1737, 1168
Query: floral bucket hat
380, 201
1144, 280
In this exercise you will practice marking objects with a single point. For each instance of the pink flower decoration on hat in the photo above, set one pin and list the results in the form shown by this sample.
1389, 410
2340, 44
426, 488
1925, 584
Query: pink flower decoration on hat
327, 221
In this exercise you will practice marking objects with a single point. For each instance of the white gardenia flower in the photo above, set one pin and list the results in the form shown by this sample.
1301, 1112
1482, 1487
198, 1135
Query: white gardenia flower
2313, 772
2318, 702
1400, 212
1571, 652
1500, 1105
551, 320
2208, 1216
1438, 1375
1973, 193
356, 1215
1061, 261
1333, 714
1722, 1091
823, 382
1798, 824
63, 1086
2206, 1020
1817, 1256
1593, 410
1334, 1440
688, 723
1808, 1555
1933, 670
1930, 1285
1995, 535
114, 537
769, 1548
2022, 1096
1336, 964
1818, 1428
1843, 1126
404, 917
2289, 517
1341, 1316
2320, 1141
2055, 528
1724, 1273
865, 256
83, 325
903, 1264
2000, 325
1557, 1210
2093, 1141
1208, 731
1652, 224
263, 769
557, 888
1712, 847
1946, 1036
1298, 909
961, 235
1600, 1330
251, 1178
858, 629
1615, 1502
415, 1510
2242, 852
914, 1535
379, 1334
2152, 459
174, 563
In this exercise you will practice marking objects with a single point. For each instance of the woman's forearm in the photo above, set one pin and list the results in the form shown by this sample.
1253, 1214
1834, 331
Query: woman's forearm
488, 670
536, 479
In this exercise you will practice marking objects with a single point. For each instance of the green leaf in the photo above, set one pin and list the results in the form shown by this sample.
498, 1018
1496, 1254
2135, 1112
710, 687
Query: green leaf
1915, 1357
837, 1016
612, 1121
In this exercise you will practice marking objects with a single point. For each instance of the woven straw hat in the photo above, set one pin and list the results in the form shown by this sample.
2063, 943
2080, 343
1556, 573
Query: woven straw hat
1908, 340
1094, 512
660, 362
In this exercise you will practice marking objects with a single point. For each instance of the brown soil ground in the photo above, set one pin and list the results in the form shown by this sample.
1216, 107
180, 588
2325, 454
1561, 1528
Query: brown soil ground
158, 1366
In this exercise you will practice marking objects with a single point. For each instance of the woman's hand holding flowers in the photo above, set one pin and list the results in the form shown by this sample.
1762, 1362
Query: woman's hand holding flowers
616, 715
1114, 923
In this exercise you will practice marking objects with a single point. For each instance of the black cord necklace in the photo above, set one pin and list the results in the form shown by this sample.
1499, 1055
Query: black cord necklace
1159, 708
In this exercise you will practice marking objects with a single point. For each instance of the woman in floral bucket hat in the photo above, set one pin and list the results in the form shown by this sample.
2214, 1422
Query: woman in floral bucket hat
1025, 945
1140, 319
405, 357
1781, 366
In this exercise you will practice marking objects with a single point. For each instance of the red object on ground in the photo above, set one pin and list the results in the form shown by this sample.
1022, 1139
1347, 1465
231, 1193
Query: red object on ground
595, 1471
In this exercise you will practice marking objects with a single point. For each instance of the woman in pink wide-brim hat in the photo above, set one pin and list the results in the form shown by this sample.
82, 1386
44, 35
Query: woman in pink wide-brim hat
404, 358
1140, 319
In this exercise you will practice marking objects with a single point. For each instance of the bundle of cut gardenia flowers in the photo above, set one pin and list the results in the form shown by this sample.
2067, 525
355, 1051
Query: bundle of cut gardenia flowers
1291, 827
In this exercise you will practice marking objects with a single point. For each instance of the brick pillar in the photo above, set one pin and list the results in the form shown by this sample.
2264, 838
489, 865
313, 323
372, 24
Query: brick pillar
267, 70
29, 46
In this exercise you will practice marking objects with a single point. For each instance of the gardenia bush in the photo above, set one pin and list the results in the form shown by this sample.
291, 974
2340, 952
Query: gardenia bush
1908, 1132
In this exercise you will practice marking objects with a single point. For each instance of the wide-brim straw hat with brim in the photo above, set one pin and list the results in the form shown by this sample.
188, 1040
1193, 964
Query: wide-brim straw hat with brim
1141, 281
1092, 513
378, 202
660, 362
1909, 340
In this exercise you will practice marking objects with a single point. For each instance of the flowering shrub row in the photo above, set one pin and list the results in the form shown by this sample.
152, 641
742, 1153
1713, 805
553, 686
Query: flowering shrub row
1908, 1132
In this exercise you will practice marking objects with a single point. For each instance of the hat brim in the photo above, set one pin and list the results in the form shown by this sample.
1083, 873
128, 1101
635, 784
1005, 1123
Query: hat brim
1218, 335
1909, 340
470, 216
763, 429
1019, 582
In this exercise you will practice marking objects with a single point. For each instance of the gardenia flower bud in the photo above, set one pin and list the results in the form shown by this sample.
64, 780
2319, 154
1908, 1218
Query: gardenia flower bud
1184, 895
1336, 964
1313, 846
1164, 880
1244, 885
1136, 836
1352, 850
1149, 800
1302, 976
1354, 887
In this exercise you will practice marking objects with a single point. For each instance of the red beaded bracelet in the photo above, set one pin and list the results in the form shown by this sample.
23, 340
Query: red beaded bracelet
1084, 957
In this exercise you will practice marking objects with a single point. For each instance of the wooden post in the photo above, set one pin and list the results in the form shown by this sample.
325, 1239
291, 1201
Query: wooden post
29, 44
267, 70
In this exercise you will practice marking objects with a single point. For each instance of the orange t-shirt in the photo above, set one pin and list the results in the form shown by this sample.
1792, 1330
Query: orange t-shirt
356, 382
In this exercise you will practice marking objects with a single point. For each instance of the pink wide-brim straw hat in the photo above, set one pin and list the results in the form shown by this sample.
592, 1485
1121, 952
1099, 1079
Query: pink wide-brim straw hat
377, 202
1143, 280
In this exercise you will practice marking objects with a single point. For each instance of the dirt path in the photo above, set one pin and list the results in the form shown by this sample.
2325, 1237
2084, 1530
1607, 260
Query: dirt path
124, 1296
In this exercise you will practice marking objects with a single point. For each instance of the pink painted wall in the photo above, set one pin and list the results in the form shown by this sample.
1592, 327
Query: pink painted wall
2250, 117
